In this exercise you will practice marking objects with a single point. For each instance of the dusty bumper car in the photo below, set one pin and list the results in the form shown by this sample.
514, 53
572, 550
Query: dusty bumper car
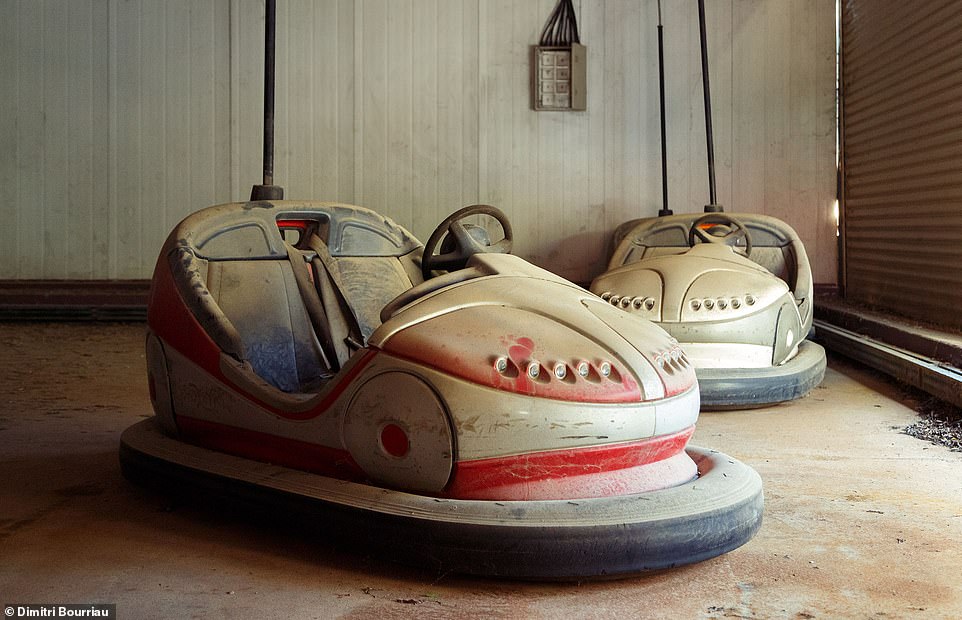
735, 291
493, 420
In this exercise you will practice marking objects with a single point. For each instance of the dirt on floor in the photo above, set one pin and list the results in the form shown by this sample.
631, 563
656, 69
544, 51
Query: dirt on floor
939, 423
861, 520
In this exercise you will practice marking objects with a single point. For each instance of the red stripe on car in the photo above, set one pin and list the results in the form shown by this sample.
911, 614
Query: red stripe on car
306, 456
514, 477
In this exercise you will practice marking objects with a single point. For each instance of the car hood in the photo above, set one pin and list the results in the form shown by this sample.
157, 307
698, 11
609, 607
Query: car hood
508, 309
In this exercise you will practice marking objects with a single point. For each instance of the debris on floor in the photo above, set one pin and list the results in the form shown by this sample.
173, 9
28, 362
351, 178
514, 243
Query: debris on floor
939, 423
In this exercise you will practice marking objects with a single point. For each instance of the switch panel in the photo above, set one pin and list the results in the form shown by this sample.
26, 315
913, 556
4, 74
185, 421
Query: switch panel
559, 77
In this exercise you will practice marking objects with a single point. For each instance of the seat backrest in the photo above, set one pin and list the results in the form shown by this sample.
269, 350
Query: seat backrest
370, 282
275, 306
261, 299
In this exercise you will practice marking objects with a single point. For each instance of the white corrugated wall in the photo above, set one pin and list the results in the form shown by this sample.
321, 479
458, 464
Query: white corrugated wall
118, 117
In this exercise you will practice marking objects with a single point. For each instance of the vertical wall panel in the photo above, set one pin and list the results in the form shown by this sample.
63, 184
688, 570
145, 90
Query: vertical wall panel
749, 94
471, 103
449, 83
220, 105
777, 119
371, 185
127, 138
247, 95
802, 113
346, 88
30, 138
10, 211
153, 131
396, 201
684, 111
524, 166
693, 173
177, 93
299, 59
205, 75
550, 210
101, 182
588, 218
429, 107
283, 104
410, 107
495, 118
321, 99
902, 82
621, 107
568, 251
79, 136
55, 171
719, 17
824, 255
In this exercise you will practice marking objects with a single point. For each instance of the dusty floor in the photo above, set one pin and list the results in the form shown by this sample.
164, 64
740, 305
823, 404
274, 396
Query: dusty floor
861, 520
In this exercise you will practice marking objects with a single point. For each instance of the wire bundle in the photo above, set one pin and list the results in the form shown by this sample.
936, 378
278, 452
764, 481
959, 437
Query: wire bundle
561, 29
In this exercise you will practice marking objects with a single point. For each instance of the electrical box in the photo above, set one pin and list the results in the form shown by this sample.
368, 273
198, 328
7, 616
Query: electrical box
559, 74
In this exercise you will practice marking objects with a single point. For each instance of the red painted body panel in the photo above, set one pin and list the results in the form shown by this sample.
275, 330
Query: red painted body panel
525, 476
174, 324
477, 365
474, 357
268, 448
517, 476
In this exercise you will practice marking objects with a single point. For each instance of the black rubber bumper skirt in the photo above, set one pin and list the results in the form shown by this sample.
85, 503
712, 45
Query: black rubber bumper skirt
544, 540
745, 388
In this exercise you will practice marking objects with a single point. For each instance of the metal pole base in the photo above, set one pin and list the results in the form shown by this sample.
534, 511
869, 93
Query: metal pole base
267, 192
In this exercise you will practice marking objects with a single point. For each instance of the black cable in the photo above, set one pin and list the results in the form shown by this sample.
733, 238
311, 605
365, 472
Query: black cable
561, 28
575, 36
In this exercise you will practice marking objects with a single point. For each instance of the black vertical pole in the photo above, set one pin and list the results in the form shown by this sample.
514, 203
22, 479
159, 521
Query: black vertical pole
711, 206
269, 29
268, 191
664, 143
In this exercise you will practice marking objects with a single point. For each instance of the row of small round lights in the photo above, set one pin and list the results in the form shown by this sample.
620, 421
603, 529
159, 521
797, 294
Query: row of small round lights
560, 370
626, 302
722, 303
672, 359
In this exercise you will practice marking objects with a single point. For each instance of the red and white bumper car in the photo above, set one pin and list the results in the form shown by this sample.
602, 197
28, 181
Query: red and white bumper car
494, 420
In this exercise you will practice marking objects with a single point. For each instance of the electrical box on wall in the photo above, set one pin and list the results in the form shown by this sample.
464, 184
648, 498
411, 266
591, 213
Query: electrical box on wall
559, 77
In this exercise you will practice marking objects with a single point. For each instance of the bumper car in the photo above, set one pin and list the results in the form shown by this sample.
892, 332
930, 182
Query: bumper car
495, 419
734, 290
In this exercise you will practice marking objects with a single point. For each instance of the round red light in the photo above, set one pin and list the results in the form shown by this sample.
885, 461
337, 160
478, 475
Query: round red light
394, 440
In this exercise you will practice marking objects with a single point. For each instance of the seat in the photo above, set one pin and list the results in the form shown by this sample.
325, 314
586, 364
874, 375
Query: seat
262, 300
354, 289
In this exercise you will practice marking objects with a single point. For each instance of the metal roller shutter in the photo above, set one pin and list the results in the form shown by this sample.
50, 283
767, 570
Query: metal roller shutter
902, 156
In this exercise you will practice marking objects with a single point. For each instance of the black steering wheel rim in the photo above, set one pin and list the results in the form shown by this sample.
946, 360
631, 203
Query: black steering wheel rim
737, 232
465, 245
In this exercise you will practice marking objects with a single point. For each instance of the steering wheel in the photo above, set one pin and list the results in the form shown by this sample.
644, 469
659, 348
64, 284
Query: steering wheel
465, 244
703, 229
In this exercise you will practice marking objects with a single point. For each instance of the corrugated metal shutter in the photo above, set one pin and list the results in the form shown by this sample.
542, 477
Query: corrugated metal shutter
902, 156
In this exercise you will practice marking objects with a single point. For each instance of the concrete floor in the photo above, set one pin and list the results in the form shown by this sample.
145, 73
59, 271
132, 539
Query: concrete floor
861, 521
